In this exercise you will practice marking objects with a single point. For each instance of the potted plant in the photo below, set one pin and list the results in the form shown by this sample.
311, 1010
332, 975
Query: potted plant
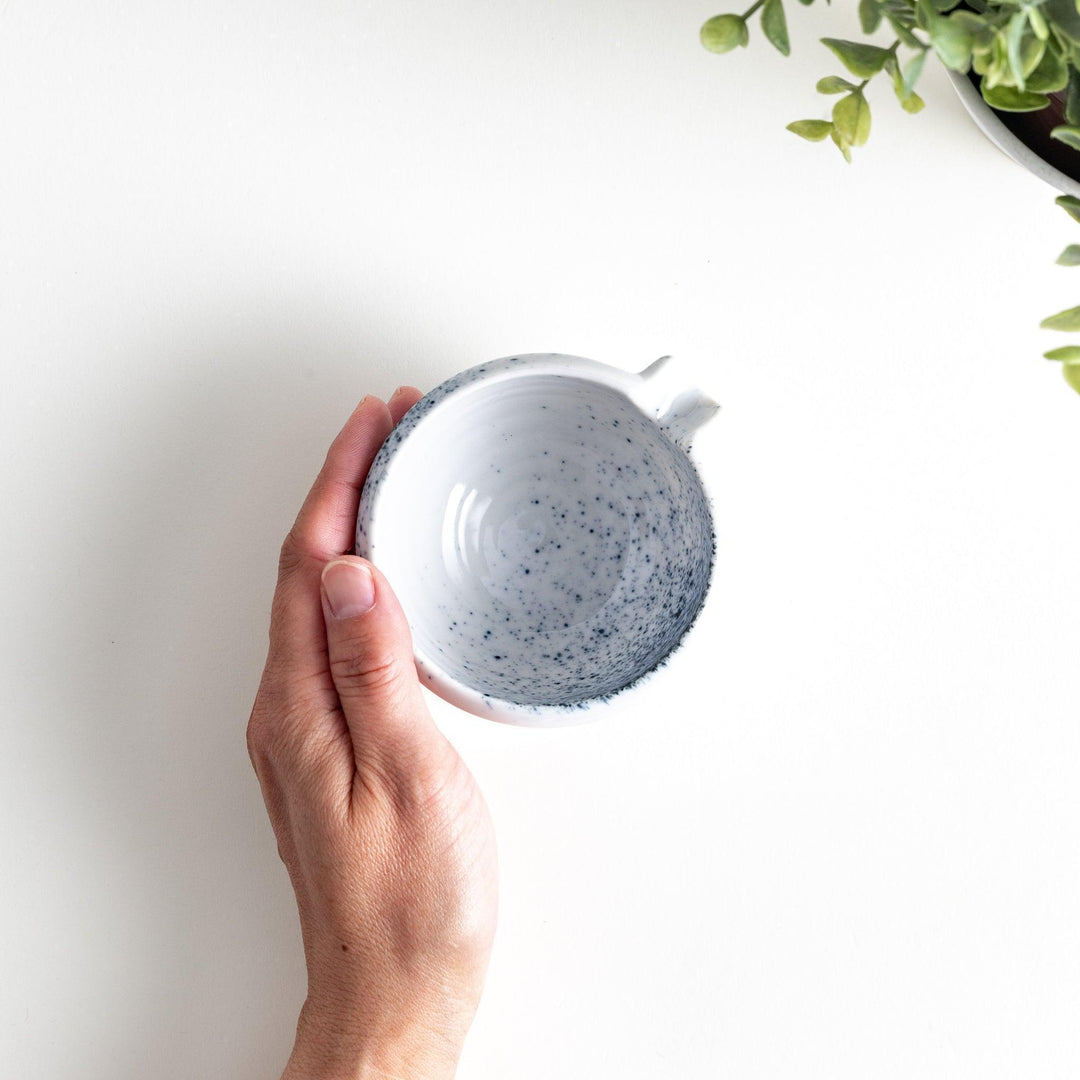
1015, 64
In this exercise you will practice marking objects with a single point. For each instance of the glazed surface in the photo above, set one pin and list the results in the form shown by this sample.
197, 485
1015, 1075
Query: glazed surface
549, 543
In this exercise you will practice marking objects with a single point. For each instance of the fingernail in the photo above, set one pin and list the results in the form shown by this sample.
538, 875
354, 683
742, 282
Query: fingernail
349, 588
397, 391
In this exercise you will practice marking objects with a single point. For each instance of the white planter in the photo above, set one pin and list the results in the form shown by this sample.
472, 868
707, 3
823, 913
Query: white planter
1005, 140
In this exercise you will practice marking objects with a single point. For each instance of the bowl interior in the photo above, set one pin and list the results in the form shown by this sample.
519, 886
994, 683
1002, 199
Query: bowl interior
549, 543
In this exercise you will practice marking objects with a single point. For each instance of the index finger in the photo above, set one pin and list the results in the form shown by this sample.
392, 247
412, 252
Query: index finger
325, 529
326, 524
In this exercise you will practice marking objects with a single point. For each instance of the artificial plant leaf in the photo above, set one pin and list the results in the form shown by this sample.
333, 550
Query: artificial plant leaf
774, 23
869, 15
1070, 136
953, 44
1072, 375
981, 31
1038, 24
841, 143
1063, 320
997, 63
1015, 30
862, 60
1072, 98
1069, 353
722, 33
834, 84
910, 101
1070, 256
952, 38
811, 130
1065, 17
1070, 204
1031, 53
1009, 99
851, 118
912, 72
1014, 33
904, 32
1052, 74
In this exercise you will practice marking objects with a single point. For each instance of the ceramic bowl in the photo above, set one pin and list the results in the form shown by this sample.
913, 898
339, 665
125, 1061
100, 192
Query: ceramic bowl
546, 532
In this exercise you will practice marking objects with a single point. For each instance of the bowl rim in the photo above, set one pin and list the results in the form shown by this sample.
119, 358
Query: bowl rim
491, 372
991, 125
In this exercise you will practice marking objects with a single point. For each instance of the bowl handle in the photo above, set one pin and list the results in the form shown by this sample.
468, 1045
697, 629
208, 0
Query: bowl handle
679, 410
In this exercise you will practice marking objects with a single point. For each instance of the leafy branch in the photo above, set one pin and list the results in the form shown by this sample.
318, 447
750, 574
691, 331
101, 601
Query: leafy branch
1022, 50
1068, 320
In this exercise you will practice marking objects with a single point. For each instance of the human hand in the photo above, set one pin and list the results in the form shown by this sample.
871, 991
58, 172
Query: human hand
387, 839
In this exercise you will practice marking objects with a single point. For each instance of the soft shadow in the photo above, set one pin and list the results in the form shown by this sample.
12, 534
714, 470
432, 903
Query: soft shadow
177, 549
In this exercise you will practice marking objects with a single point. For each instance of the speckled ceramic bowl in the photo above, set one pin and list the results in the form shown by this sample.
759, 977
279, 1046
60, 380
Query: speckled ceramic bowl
546, 531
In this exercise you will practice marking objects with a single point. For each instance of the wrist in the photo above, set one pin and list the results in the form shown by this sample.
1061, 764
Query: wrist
325, 1050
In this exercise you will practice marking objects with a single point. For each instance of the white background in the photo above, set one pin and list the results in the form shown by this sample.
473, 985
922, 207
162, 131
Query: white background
839, 835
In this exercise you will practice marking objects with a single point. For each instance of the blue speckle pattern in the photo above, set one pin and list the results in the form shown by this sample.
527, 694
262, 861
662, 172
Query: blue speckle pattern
568, 544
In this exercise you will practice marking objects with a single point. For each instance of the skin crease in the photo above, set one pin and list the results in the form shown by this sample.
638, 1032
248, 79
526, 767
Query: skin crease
386, 837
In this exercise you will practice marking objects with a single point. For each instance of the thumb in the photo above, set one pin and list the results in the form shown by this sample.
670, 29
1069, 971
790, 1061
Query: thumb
371, 661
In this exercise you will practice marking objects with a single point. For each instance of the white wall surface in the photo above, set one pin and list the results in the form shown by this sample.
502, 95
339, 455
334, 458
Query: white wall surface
838, 836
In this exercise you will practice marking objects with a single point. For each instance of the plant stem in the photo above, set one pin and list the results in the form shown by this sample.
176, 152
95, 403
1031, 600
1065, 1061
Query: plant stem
753, 7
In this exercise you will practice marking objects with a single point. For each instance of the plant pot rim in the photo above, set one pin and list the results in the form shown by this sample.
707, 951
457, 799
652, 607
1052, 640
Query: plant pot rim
996, 131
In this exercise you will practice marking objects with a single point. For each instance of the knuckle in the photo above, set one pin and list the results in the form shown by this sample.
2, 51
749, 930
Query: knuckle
256, 734
269, 720
365, 674
291, 554
294, 744
437, 790
253, 741
424, 784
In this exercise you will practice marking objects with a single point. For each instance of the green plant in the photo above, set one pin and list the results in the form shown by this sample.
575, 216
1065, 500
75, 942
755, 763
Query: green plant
1022, 50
